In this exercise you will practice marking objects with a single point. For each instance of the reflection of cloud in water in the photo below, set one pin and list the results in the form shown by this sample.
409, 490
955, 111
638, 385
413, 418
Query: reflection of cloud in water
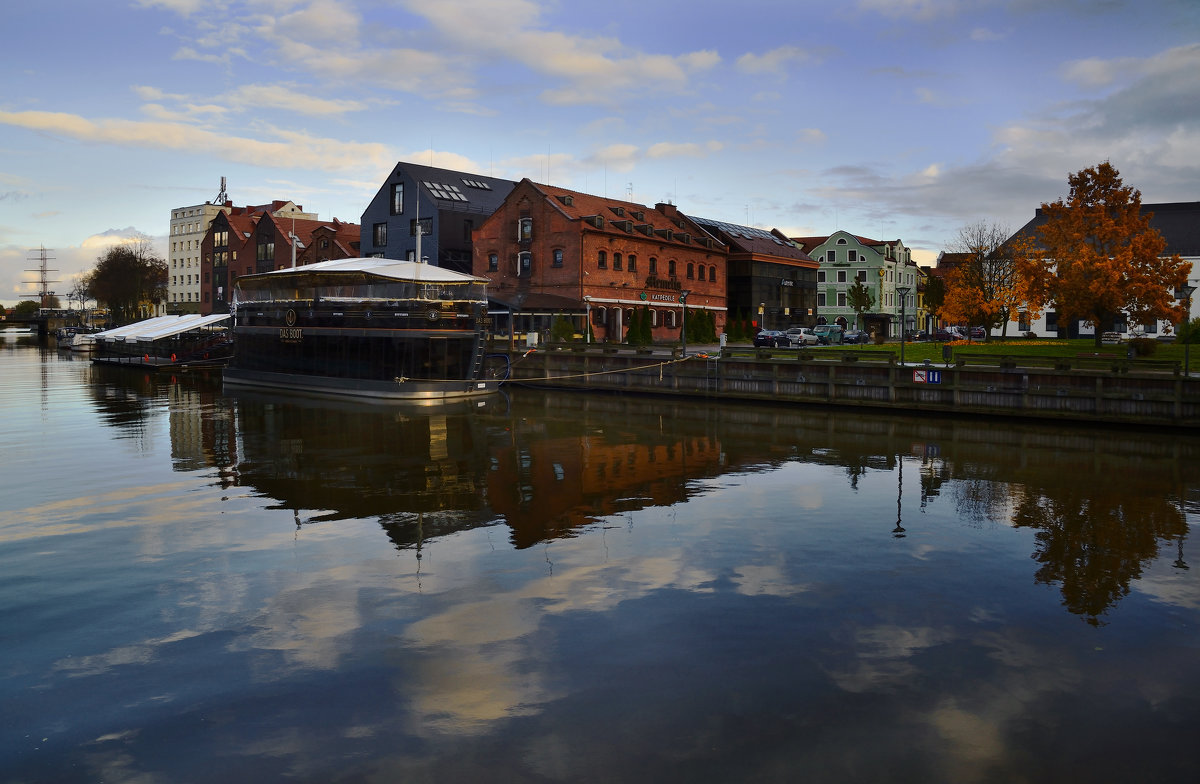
477, 655
138, 653
883, 655
764, 580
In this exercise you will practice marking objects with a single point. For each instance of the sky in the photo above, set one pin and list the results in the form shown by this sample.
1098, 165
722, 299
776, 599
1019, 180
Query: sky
891, 119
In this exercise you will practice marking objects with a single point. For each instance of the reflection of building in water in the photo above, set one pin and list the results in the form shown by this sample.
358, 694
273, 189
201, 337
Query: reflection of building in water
545, 486
201, 425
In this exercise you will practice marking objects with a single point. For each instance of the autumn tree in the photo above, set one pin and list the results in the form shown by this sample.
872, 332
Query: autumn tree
128, 278
1096, 257
982, 290
935, 296
860, 300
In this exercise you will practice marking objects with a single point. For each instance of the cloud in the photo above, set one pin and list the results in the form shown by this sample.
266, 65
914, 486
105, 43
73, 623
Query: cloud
686, 149
774, 62
287, 148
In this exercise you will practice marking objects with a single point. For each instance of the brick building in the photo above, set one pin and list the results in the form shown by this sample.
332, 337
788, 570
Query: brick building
245, 241
551, 252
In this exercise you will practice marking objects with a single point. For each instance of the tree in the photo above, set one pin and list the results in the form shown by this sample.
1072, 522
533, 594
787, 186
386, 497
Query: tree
79, 290
26, 309
1096, 257
982, 290
860, 300
935, 296
128, 278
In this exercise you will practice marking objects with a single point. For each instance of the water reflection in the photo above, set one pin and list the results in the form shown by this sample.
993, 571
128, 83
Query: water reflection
550, 465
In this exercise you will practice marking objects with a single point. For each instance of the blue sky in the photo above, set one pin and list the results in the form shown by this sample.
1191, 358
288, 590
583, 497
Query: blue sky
887, 118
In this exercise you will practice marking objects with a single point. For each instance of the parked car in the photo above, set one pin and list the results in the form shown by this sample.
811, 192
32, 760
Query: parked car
856, 336
771, 338
978, 333
828, 334
943, 335
802, 336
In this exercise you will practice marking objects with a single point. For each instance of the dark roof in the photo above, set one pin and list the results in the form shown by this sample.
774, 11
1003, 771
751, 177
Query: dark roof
1178, 222
749, 239
456, 189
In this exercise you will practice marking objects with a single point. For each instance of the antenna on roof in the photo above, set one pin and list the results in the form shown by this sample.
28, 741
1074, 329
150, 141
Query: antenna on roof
222, 197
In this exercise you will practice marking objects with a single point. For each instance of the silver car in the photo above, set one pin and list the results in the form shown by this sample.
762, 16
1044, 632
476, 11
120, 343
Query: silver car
802, 336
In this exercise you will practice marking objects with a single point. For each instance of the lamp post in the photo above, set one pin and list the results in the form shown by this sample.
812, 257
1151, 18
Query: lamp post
587, 320
902, 292
1184, 293
683, 295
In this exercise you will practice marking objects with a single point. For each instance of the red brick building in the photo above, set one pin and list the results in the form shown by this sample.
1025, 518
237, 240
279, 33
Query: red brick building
249, 240
552, 252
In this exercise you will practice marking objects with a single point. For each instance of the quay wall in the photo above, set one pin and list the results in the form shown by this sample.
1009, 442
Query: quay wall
1116, 392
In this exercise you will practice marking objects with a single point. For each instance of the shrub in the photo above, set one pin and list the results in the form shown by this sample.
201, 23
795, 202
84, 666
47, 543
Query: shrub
1144, 347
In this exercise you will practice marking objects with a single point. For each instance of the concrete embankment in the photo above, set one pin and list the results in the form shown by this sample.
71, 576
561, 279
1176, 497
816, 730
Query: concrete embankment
1094, 389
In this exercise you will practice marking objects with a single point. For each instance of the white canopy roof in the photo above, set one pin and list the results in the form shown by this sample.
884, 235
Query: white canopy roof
387, 268
160, 327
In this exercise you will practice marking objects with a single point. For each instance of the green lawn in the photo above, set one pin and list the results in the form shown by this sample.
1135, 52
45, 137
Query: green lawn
1041, 347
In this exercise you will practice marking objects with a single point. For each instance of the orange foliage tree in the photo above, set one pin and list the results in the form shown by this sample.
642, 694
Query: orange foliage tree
982, 290
1097, 257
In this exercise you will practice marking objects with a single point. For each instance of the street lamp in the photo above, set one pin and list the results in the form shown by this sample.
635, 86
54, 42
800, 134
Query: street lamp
1185, 292
902, 291
587, 320
683, 295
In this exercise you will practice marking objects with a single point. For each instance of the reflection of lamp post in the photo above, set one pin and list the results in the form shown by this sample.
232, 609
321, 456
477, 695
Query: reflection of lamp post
683, 295
587, 320
1184, 292
898, 531
903, 292
1179, 562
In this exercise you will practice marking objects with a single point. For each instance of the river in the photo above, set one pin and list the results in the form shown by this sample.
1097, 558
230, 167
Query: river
567, 587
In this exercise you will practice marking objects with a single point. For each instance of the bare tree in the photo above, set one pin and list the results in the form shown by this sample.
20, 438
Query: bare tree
983, 289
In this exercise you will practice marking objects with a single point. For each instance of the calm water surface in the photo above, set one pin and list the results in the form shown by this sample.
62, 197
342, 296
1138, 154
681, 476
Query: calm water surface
555, 587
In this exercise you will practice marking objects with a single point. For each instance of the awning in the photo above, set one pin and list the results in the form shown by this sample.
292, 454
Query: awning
160, 327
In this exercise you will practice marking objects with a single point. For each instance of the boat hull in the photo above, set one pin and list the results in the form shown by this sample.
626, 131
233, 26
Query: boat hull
409, 390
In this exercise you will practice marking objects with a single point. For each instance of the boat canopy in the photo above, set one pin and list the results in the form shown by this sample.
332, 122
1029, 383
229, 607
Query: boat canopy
359, 280
160, 327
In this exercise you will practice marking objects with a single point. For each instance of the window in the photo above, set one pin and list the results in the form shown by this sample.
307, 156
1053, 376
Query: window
426, 228
493, 262
841, 299
691, 271
712, 274
616, 261
524, 263
397, 198
671, 268
1023, 321
820, 276
525, 229
653, 266
861, 276
632, 263
831, 255
841, 276
841, 241
558, 257
852, 255
468, 227
266, 250
379, 234
821, 299
602, 260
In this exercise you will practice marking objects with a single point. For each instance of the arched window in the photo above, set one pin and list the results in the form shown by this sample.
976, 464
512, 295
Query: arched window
670, 319
493, 262
558, 257
524, 263
602, 260
632, 263
671, 268
712, 274
654, 319
600, 315
616, 261
653, 266
691, 271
